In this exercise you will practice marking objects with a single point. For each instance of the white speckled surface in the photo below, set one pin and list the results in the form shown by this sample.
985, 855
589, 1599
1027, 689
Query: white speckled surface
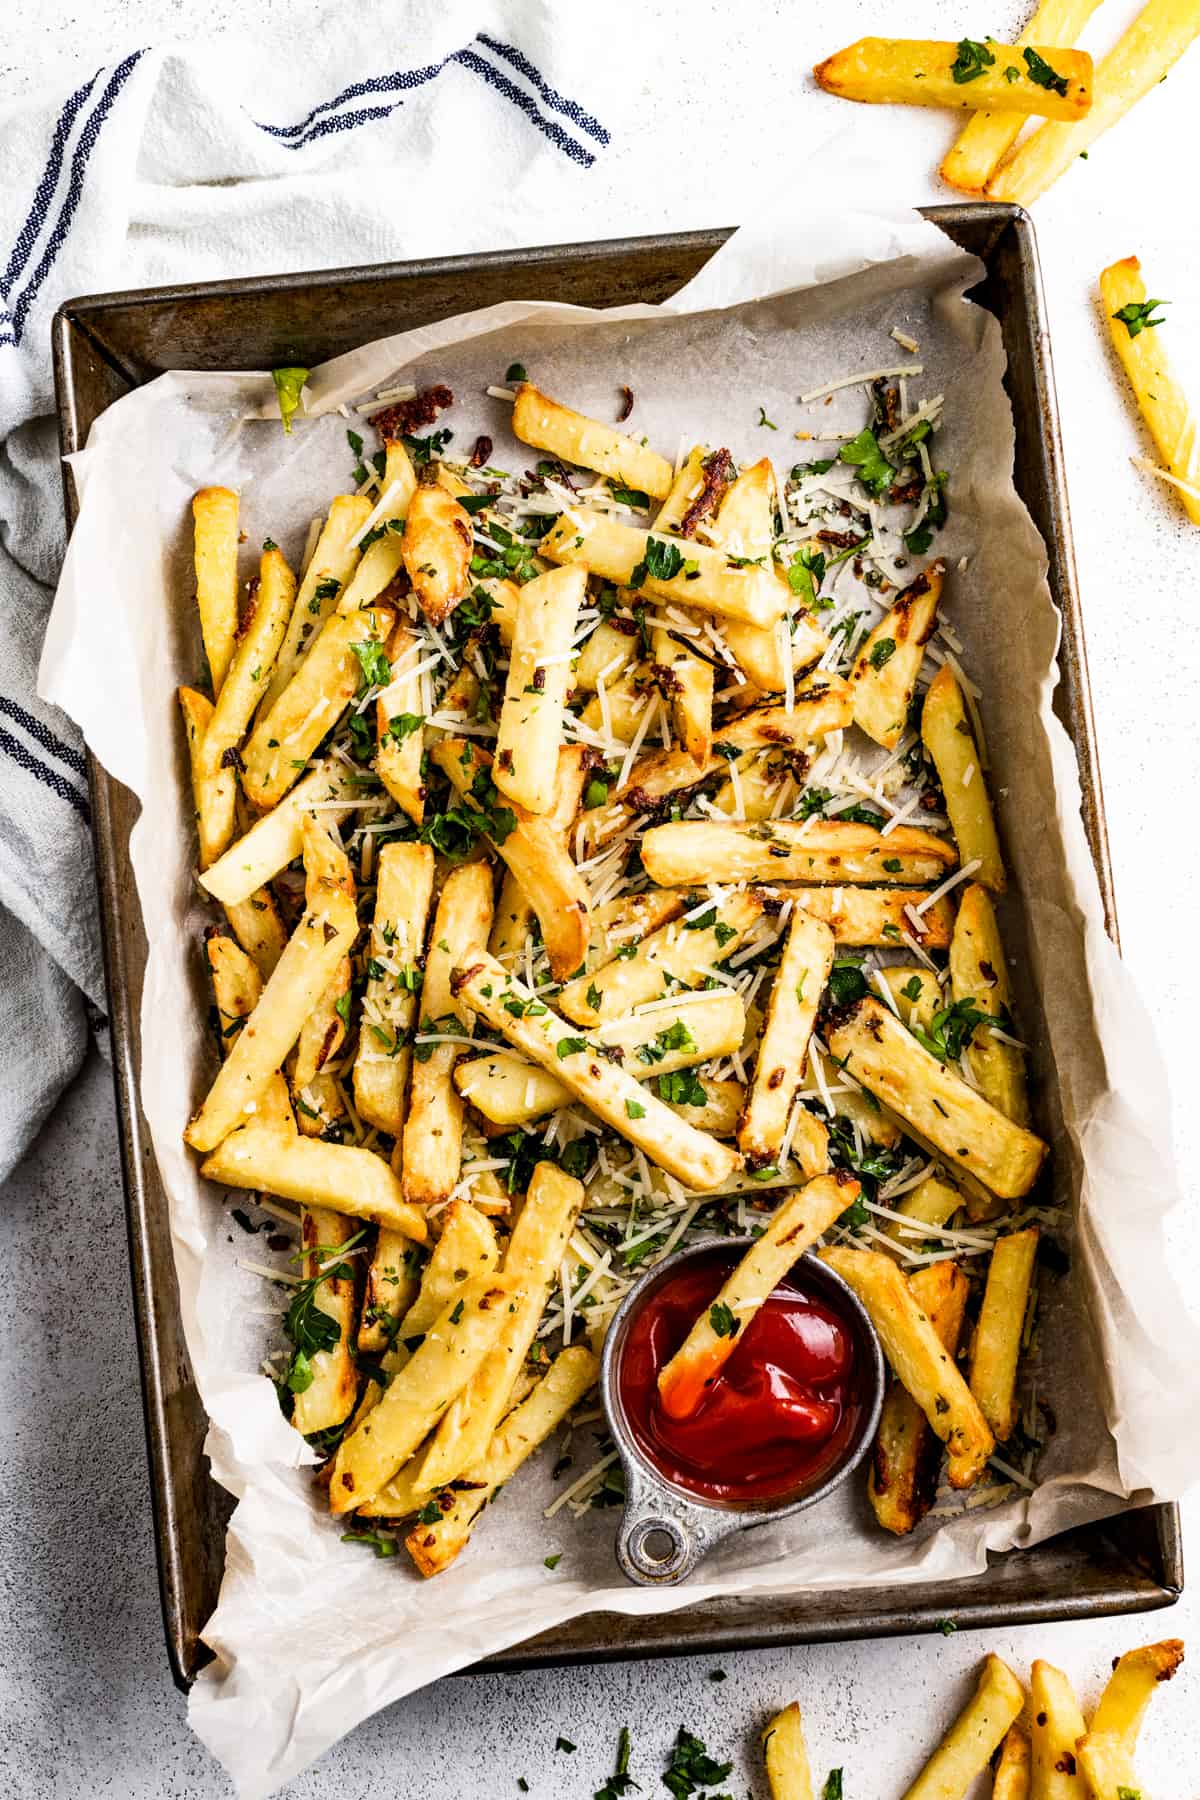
86, 1702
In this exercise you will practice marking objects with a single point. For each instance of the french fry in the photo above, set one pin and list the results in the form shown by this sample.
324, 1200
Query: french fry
510, 1092
399, 731
947, 735
988, 135
534, 851
391, 1287
907, 1456
617, 711
329, 568
437, 545
431, 1160
525, 764
237, 989
614, 1096
381, 559
1134, 66
997, 1346
673, 954
342, 1177
258, 928
1135, 1679
1164, 406
321, 1037
277, 839
916, 992
512, 921
919, 1360
799, 1222
862, 917
785, 1756
1107, 1768
434, 1547
887, 1060
214, 796
783, 1048
932, 1202
323, 937
965, 1750
980, 77
745, 526
822, 852
403, 890
418, 1394
884, 676
629, 920
215, 544
685, 487
574, 438
606, 655
282, 742
1056, 1727
535, 1251
615, 551
329, 1397
758, 791
1011, 1780
257, 647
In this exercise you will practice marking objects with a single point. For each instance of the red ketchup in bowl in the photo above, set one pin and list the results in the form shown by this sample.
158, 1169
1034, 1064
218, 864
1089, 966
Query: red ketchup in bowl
782, 1413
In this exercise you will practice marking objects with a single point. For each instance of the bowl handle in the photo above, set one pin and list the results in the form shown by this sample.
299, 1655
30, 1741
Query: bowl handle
663, 1535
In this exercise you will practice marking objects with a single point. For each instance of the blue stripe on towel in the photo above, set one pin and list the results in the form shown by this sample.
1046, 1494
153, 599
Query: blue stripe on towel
570, 109
44, 193
43, 735
470, 60
50, 778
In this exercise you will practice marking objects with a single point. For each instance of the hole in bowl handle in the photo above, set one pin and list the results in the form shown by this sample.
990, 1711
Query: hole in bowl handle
655, 1550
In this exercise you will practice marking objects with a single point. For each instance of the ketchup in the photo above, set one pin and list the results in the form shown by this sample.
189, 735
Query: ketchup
780, 1415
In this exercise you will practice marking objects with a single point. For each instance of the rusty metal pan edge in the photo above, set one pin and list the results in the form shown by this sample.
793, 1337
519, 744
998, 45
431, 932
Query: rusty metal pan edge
80, 321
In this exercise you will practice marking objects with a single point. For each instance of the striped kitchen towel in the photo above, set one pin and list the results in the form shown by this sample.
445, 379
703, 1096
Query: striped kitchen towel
353, 135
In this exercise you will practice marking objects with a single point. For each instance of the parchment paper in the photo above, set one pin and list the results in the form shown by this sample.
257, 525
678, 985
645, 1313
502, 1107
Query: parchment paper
310, 1636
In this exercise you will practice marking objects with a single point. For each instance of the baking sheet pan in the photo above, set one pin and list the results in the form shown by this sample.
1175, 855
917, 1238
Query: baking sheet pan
106, 345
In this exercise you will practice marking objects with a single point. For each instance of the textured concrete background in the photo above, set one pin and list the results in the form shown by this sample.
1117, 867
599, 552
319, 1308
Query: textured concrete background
86, 1703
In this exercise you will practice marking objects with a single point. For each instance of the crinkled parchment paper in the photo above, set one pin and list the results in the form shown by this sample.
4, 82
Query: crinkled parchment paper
311, 1635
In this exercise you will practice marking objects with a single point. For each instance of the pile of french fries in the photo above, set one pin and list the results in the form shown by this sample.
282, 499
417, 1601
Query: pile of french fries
606, 859
1042, 75
1036, 1745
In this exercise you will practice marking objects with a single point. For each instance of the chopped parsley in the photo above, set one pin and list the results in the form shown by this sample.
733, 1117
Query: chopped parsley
372, 660
634, 1109
515, 372
882, 653
552, 1562
565, 1745
805, 573
1135, 316
1042, 75
662, 562
833, 1786
691, 1766
569, 1046
874, 470
402, 725
683, 1087
620, 1782
847, 982
972, 60
628, 496
912, 988
722, 1320
951, 1029
381, 1542
307, 1328
763, 420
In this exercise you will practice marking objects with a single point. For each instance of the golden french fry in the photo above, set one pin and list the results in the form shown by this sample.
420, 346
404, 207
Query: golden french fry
215, 526
674, 954
799, 1222
341, 1177
393, 1275
403, 890
980, 77
431, 1159
326, 681
258, 928
1057, 1726
574, 438
434, 1547
321, 1037
785, 1755
686, 683
253, 659
997, 1345
418, 1394
1142, 353
535, 1251
329, 1397
512, 921
932, 1202
621, 924
525, 764
822, 852
1108, 1768
237, 989
331, 565
783, 1048
907, 1456
616, 552
966, 1748
1134, 66
887, 1060
861, 917
918, 1359
745, 526
214, 796
539, 860
614, 1096
1134, 1681
947, 735
978, 972
399, 731
381, 558
1011, 1780
885, 675
277, 839
605, 656
437, 545
988, 135
916, 992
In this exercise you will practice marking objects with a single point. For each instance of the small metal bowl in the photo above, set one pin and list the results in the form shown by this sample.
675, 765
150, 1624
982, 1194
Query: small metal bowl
665, 1528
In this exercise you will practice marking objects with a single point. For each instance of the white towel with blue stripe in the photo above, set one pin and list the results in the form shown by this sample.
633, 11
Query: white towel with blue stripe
357, 136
